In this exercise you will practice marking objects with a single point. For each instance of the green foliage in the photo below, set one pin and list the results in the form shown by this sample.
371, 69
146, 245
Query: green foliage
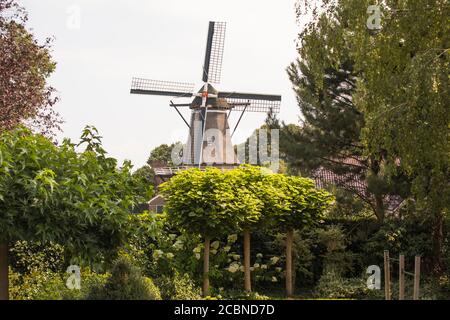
208, 202
303, 205
145, 178
333, 286
406, 125
28, 256
51, 193
162, 155
125, 283
178, 287
41, 284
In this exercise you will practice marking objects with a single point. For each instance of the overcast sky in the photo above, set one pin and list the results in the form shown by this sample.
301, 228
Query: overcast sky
98, 54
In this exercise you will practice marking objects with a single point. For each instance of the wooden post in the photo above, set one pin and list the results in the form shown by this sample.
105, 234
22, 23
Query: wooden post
387, 276
4, 277
289, 241
247, 275
206, 267
401, 277
416, 277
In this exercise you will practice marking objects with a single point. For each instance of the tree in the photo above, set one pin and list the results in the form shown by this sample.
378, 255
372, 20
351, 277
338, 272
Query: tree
329, 138
207, 203
145, 176
52, 194
301, 205
250, 184
25, 65
162, 155
403, 92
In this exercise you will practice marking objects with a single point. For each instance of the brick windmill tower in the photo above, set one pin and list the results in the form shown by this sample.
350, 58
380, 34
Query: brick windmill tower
209, 137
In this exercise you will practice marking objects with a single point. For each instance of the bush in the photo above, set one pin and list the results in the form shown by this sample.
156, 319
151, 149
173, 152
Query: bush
178, 287
48, 285
125, 283
332, 286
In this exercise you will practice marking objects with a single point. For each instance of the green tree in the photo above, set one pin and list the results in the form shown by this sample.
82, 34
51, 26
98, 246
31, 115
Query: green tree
301, 205
52, 194
206, 203
402, 90
162, 155
145, 176
329, 138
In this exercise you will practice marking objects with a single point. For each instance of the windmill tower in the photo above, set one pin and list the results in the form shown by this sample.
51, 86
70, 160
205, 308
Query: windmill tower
209, 138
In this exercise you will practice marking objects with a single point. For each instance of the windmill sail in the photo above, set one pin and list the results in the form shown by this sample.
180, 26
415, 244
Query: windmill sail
252, 102
161, 88
212, 67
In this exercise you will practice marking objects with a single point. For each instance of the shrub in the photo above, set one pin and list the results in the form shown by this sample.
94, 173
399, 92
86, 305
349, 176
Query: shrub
178, 287
125, 283
333, 286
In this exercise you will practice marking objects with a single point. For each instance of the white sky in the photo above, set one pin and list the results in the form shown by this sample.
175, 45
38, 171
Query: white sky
165, 40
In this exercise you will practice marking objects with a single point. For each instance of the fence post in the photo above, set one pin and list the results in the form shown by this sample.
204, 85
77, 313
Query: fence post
416, 277
387, 276
401, 278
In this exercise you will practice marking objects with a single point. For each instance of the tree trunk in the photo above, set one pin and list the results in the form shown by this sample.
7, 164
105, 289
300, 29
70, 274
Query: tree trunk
4, 278
379, 209
247, 275
289, 242
206, 267
437, 241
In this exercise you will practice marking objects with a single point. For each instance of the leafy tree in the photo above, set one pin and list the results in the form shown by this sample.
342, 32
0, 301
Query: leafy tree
25, 65
329, 137
206, 203
162, 155
301, 205
249, 185
403, 91
145, 177
52, 194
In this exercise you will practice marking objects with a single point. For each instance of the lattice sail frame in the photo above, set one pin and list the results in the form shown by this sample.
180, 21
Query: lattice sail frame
214, 52
164, 88
251, 105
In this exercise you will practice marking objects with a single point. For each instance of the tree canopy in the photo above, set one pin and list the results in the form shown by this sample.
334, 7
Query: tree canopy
51, 193
25, 65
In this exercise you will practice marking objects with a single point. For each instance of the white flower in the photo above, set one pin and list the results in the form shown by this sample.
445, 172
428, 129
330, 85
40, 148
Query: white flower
178, 245
213, 251
236, 256
233, 267
264, 266
232, 238
169, 255
197, 256
252, 269
215, 245
259, 255
274, 260
274, 279
278, 269
256, 265
197, 250
241, 268
226, 248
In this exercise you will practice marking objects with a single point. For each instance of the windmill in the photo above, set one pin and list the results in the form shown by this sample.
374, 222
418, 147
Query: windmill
209, 139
